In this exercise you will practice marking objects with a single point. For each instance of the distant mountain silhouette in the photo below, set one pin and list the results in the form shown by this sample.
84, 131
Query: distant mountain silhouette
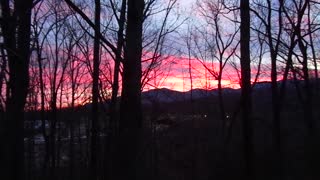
164, 95
260, 90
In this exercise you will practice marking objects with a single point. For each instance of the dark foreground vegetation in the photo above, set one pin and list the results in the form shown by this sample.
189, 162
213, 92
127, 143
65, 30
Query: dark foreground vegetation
183, 138
74, 75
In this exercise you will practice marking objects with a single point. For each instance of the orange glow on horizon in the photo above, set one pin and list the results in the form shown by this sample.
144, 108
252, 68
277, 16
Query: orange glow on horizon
176, 75
172, 72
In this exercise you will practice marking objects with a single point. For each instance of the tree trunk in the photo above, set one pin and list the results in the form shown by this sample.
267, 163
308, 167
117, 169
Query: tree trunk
95, 92
246, 88
114, 113
42, 105
52, 135
130, 125
275, 92
16, 31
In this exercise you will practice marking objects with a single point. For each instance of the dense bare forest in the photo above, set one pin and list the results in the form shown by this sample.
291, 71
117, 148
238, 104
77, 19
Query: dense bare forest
90, 89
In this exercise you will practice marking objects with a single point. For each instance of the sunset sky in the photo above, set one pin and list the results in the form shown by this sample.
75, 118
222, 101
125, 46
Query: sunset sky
175, 75
176, 64
174, 71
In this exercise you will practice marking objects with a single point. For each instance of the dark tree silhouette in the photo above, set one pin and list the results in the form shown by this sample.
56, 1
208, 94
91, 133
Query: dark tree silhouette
130, 124
246, 87
306, 96
61, 115
95, 91
274, 43
15, 26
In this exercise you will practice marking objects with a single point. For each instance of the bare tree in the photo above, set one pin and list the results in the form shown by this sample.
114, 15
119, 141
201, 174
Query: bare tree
246, 88
15, 26
130, 124
158, 37
219, 44
95, 91
274, 40
51, 39
296, 13
77, 73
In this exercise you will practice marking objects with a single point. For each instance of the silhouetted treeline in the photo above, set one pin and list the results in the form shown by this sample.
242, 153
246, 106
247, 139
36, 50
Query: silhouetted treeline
73, 75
